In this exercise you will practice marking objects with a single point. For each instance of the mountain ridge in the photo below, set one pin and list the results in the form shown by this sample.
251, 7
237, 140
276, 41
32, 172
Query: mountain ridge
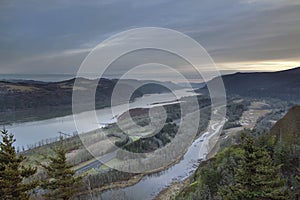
283, 85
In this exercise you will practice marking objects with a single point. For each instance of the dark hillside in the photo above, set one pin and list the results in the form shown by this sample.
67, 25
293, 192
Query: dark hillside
283, 85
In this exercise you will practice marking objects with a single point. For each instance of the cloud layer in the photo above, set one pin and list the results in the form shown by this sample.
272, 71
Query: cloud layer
54, 36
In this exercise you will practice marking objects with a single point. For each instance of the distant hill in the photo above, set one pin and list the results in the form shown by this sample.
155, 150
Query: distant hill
33, 100
284, 85
287, 129
193, 85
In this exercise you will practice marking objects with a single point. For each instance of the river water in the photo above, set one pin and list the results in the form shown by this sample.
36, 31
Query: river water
149, 187
32, 132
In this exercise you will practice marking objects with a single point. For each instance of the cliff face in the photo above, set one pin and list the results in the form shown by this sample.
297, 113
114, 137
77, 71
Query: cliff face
288, 128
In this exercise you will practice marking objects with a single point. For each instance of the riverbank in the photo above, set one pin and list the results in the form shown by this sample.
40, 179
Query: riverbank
135, 179
119, 184
172, 191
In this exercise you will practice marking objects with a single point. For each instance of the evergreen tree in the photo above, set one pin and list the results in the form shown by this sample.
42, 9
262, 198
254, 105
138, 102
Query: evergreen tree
256, 176
61, 181
12, 172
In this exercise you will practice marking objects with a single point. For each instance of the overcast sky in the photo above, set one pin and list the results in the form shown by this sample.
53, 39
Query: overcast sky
54, 36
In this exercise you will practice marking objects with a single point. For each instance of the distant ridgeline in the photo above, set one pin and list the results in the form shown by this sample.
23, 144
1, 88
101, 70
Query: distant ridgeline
34, 100
283, 85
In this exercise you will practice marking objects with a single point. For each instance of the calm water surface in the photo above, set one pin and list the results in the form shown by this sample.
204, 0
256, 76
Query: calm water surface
32, 132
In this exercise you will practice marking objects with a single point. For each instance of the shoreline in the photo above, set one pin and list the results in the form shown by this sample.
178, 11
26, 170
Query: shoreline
136, 179
120, 184
172, 190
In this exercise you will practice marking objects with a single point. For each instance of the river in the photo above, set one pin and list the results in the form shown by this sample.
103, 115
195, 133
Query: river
150, 186
32, 132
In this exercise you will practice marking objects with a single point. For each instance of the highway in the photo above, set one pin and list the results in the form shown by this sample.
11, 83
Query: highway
98, 162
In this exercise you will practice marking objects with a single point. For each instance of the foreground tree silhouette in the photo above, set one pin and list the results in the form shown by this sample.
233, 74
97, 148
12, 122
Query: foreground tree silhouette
256, 177
12, 172
61, 182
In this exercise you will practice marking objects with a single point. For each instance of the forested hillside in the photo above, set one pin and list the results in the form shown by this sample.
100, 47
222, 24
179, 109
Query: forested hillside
283, 85
266, 167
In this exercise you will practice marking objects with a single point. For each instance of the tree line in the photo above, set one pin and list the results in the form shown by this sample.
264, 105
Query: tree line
255, 169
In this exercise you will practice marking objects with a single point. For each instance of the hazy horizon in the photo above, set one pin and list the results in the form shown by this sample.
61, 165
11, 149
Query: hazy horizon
64, 76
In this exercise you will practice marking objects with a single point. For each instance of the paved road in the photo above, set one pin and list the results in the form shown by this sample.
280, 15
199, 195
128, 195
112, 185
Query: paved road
97, 163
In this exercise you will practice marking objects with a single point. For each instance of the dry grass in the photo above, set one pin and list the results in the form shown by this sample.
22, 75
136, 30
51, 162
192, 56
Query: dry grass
20, 88
172, 191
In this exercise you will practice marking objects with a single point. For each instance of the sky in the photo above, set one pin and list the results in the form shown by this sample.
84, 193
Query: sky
54, 36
